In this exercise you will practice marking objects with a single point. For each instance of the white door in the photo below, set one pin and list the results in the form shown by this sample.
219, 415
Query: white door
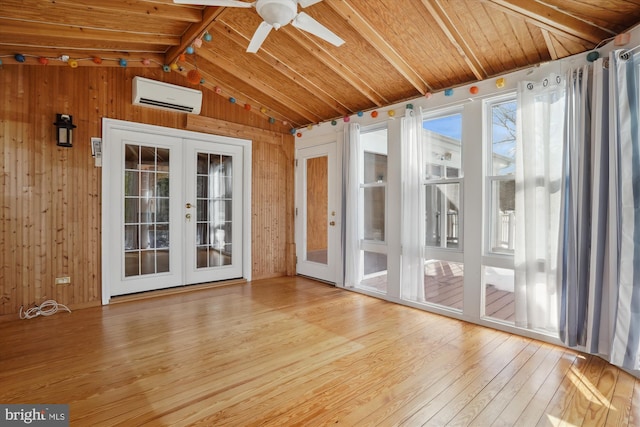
174, 211
212, 212
317, 218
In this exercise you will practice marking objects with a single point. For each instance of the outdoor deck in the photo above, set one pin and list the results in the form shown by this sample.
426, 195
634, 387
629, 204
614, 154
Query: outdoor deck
443, 285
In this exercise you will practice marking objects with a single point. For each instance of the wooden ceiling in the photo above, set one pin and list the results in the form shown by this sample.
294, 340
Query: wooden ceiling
395, 50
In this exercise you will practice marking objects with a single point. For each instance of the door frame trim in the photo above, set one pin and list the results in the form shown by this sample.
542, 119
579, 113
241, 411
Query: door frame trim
109, 125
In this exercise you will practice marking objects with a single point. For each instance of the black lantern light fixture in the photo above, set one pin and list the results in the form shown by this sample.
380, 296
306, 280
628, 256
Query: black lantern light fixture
64, 126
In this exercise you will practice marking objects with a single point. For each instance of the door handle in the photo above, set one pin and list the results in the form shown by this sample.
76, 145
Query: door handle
188, 217
332, 223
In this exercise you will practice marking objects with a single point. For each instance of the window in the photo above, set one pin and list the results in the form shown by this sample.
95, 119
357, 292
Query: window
442, 137
373, 215
501, 175
443, 183
499, 220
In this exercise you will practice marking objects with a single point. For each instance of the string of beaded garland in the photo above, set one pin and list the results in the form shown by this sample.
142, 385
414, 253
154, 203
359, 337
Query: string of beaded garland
193, 75
474, 90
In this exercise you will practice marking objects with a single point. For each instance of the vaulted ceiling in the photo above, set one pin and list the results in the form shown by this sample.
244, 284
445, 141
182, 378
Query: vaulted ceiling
394, 49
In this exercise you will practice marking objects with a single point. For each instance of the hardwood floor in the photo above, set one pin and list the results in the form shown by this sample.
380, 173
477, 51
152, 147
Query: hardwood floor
291, 351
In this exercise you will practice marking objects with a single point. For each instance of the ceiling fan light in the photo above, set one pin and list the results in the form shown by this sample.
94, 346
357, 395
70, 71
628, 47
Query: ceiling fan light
277, 13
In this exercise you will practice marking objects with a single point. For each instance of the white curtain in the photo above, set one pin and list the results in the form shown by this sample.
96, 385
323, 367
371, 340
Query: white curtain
624, 207
351, 238
412, 226
538, 180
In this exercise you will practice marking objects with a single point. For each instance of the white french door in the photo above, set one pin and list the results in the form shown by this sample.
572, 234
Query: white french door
212, 212
172, 210
317, 218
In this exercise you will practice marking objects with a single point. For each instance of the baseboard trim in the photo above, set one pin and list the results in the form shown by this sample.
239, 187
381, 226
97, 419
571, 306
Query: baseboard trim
173, 291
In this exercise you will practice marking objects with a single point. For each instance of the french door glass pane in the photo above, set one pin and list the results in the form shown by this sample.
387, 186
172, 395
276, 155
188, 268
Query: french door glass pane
317, 209
146, 210
213, 210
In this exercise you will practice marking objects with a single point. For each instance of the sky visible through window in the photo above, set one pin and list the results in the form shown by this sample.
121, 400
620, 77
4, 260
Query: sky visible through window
503, 130
450, 126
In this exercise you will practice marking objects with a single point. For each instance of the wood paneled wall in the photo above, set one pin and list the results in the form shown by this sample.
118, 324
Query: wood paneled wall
50, 224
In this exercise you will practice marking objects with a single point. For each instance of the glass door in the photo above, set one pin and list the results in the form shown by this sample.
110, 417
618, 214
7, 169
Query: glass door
173, 211
213, 212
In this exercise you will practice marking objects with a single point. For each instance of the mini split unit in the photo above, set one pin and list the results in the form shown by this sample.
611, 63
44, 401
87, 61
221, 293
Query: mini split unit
151, 93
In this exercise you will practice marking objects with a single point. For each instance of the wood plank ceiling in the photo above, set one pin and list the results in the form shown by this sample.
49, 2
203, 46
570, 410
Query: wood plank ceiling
395, 49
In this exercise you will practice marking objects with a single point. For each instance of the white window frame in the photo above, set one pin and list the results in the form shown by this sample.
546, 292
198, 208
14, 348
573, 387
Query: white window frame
368, 245
492, 257
443, 252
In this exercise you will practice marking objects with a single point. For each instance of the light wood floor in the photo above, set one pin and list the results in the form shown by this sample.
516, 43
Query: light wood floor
292, 351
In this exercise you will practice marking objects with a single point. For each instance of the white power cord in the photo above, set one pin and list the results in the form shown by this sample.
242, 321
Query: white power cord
47, 308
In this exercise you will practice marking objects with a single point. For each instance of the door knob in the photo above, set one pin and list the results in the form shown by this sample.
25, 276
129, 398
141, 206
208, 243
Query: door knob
188, 205
332, 223
188, 216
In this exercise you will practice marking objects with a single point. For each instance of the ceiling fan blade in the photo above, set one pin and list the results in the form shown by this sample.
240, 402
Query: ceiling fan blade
222, 3
307, 3
259, 36
306, 23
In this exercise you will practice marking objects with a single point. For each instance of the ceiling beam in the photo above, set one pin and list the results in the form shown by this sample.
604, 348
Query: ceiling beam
76, 34
550, 46
167, 11
446, 25
282, 67
209, 15
553, 20
338, 67
257, 82
213, 84
379, 43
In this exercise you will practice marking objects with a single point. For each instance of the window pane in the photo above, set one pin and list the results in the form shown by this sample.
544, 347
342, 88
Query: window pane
131, 156
499, 293
503, 138
375, 271
442, 222
374, 213
442, 137
162, 185
375, 167
146, 210
443, 283
503, 217
163, 159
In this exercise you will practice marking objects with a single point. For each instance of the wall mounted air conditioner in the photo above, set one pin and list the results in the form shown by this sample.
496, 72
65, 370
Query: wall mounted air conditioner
166, 96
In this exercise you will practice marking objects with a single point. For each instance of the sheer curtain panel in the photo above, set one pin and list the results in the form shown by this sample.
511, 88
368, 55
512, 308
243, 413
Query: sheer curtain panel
351, 240
412, 226
538, 179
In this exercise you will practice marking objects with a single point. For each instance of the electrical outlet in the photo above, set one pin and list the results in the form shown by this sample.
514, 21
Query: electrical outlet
66, 280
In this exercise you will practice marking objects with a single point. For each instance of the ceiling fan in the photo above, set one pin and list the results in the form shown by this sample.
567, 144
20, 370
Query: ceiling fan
276, 14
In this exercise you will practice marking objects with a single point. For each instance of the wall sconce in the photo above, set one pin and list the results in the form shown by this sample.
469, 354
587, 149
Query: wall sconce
64, 126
